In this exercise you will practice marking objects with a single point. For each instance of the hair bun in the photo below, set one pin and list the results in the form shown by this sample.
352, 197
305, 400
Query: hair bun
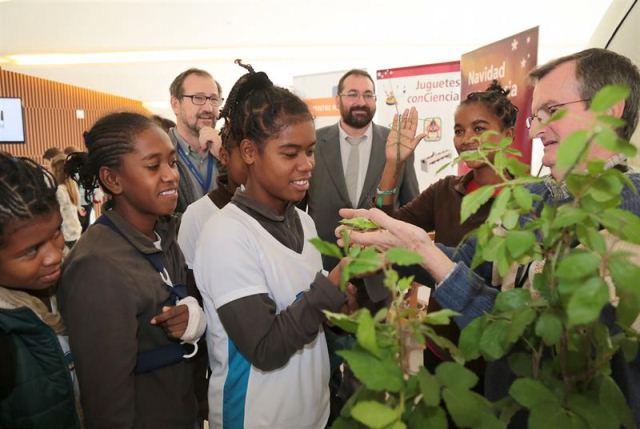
251, 82
496, 87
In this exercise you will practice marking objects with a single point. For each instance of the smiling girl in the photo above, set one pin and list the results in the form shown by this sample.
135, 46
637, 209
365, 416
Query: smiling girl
437, 208
118, 282
36, 370
260, 277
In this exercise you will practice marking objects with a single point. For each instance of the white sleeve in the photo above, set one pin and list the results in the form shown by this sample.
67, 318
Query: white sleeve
187, 235
228, 263
197, 322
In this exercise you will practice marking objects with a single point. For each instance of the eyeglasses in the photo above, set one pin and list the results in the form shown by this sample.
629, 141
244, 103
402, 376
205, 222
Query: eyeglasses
200, 100
355, 96
545, 112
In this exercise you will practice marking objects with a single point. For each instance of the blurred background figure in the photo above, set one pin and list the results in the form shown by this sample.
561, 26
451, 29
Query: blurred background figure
69, 200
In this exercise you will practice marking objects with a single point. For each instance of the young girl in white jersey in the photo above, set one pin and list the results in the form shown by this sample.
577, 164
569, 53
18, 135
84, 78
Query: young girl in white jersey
259, 275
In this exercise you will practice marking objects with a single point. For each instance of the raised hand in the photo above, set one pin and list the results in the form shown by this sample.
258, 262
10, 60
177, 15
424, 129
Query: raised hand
402, 140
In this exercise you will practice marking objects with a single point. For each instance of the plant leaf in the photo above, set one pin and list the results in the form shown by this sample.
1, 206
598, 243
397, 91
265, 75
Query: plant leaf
611, 398
360, 224
521, 320
578, 265
568, 215
530, 393
622, 223
366, 333
520, 242
472, 202
427, 417
591, 411
469, 342
571, 149
454, 375
401, 256
523, 198
493, 342
607, 97
429, 387
499, 205
513, 299
520, 363
441, 317
549, 328
368, 261
377, 374
587, 301
373, 414
469, 409
343, 321
326, 248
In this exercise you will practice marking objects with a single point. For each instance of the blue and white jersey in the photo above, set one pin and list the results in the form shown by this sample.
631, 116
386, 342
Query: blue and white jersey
236, 257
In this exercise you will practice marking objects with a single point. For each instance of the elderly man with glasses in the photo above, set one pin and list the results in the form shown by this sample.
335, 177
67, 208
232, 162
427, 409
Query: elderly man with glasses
195, 99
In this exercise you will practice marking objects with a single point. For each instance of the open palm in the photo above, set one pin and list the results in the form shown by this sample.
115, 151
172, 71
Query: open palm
402, 140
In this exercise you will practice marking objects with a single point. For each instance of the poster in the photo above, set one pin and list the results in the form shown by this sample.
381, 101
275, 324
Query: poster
434, 90
509, 61
319, 91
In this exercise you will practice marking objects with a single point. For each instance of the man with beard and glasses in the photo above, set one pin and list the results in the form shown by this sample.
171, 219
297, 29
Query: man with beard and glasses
195, 99
350, 157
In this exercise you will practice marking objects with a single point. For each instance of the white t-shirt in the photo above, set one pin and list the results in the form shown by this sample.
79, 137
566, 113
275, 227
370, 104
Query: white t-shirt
193, 220
239, 258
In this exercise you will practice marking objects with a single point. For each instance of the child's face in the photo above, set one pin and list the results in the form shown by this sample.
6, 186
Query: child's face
471, 120
146, 184
281, 173
32, 254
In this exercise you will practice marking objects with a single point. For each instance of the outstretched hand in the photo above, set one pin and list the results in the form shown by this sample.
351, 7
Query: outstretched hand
393, 232
396, 233
403, 134
173, 319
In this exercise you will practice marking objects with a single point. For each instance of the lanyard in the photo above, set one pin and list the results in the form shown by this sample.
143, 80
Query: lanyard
177, 291
194, 170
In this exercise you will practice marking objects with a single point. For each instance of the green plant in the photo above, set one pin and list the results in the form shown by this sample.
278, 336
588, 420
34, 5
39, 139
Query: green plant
551, 334
391, 395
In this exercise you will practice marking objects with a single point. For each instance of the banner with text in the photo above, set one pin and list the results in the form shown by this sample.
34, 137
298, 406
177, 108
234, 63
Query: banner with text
319, 91
434, 90
508, 61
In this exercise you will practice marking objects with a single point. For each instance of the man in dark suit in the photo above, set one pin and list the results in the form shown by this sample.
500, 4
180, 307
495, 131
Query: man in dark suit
350, 158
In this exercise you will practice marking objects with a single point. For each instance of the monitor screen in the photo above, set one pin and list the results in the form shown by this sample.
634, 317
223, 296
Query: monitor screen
11, 120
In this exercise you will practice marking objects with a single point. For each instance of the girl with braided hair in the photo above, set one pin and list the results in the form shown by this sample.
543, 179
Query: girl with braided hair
36, 370
437, 208
260, 277
120, 292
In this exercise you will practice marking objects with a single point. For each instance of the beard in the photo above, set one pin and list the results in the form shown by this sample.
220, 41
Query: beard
195, 126
357, 116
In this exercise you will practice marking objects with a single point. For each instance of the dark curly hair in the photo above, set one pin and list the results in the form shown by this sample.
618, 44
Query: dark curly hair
109, 138
26, 191
257, 109
496, 99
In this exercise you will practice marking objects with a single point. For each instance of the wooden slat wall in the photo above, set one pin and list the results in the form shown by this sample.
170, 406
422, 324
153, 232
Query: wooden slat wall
50, 112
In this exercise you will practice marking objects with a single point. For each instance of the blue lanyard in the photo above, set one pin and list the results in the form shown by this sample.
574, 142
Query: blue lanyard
194, 170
